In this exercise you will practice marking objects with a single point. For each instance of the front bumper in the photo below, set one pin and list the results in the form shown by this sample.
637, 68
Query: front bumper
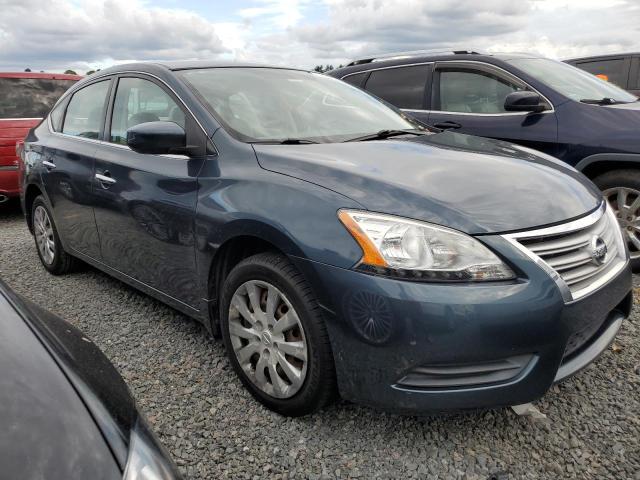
420, 347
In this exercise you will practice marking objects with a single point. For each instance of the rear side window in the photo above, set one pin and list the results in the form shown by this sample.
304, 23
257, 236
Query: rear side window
471, 91
30, 97
402, 86
140, 101
636, 73
357, 79
614, 71
85, 111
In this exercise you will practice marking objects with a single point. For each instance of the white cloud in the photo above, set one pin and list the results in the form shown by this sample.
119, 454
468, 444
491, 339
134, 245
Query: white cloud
89, 33
59, 33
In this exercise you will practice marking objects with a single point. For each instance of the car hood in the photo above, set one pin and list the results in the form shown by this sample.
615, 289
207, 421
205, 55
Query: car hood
473, 184
47, 430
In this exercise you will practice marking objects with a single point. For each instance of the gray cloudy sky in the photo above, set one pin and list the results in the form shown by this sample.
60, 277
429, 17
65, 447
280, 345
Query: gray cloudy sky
85, 34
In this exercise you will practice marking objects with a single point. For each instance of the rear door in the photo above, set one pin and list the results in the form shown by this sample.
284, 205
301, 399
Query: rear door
468, 97
68, 163
145, 211
403, 86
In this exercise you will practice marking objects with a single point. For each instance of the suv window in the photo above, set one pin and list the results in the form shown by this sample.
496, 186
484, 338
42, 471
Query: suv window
86, 111
613, 71
140, 101
356, 79
636, 73
30, 97
401, 86
474, 91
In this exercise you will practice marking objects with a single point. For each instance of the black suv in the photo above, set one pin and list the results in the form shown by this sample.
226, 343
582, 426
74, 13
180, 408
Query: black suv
540, 103
621, 69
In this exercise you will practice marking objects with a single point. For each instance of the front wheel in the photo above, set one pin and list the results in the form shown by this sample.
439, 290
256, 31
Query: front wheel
275, 336
621, 188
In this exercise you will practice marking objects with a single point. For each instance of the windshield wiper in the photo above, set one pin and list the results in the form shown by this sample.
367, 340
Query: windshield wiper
382, 134
602, 101
286, 141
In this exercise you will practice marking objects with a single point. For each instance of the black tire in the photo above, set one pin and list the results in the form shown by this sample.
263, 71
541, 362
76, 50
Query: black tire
62, 262
627, 179
319, 386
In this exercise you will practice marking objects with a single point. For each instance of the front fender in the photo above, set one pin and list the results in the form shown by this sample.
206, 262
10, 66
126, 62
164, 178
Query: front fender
296, 217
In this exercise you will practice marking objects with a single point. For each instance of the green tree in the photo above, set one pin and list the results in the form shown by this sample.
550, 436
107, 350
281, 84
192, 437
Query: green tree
90, 72
27, 69
70, 72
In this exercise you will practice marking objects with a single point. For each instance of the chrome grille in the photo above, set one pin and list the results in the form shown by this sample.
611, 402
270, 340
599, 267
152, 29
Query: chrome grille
570, 251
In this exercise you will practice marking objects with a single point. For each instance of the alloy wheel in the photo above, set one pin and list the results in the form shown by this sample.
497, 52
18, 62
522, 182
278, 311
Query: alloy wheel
268, 339
43, 231
626, 205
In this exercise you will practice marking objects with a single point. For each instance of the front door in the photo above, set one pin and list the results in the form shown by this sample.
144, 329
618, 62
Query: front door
68, 161
145, 204
468, 97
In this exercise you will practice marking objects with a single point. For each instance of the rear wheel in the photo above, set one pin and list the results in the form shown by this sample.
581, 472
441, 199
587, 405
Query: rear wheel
45, 234
621, 188
275, 336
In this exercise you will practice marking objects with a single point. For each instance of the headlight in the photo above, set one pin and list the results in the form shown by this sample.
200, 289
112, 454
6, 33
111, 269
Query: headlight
420, 251
147, 458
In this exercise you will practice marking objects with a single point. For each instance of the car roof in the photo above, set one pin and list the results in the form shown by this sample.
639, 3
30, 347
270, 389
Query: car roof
422, 56
50, 76
188, 65
426, 54
603, 57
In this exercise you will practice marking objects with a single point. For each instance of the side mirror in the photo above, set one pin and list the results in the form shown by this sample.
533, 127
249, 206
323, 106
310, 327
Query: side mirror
157, 138
524, 101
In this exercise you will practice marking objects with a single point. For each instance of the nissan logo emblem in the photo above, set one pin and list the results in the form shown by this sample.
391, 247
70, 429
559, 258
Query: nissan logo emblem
598, 250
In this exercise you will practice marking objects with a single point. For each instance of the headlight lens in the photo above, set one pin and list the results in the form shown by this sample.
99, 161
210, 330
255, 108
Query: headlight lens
419, 250
147, 459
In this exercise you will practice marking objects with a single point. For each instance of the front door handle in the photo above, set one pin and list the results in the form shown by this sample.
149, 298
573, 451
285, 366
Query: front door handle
105, 179
48, 165
447, 125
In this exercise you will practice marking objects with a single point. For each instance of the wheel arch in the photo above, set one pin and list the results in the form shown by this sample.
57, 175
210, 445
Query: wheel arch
32, 191
241, 239
597, 164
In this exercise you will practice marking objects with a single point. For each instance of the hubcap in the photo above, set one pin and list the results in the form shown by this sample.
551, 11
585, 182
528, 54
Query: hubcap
268, 339
43, 231
626, 205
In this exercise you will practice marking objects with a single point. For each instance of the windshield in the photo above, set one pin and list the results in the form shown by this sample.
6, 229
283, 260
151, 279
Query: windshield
30, 97
571, 81
267, 104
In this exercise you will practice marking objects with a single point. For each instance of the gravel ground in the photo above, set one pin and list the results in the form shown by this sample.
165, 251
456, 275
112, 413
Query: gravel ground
214, 429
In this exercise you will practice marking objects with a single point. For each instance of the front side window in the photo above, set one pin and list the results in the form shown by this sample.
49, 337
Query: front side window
401, 86
268, 105
30, 97
140, 101
85, 111
570, 81
614, 70
474, 91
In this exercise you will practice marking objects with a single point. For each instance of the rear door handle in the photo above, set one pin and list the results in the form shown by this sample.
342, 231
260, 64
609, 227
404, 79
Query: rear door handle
48, 165
105, 179
447, 125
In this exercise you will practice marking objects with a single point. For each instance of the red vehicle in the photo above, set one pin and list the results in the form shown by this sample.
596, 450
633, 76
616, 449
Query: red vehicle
25, 98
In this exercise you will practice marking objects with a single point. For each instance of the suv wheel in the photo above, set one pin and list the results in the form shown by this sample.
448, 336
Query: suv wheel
621, 188
45, 234
275, 336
